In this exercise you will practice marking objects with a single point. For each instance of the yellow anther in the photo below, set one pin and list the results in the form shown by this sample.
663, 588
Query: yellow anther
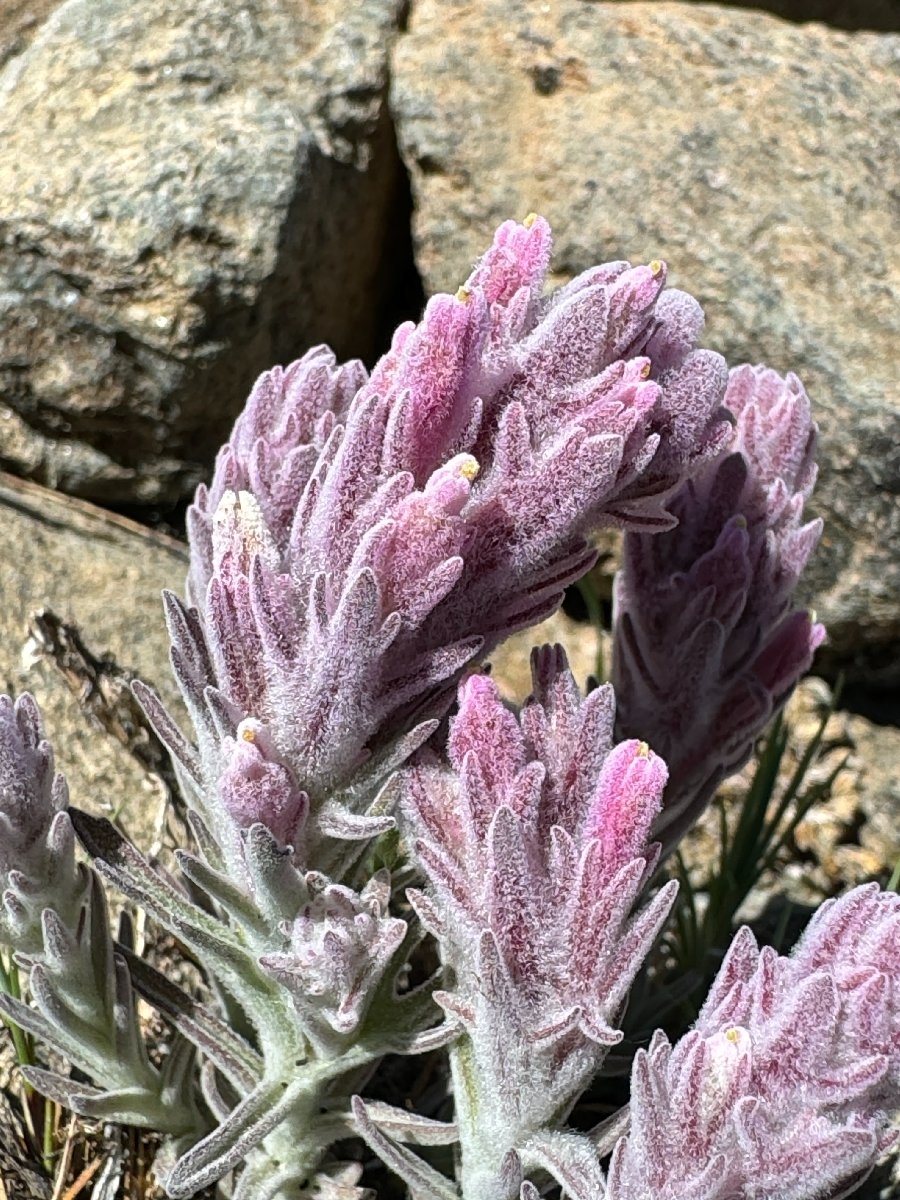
655, 266
249, 735
530, 220
469, 469
464, 295
643, 750
733, 1035
645, 371
740, 521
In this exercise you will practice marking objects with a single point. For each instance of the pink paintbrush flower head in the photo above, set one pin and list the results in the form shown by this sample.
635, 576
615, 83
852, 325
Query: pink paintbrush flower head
533, 839
365, 538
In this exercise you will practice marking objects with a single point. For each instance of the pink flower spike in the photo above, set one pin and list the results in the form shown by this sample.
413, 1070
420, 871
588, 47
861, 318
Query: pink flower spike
518, 259
627, 800
533, 839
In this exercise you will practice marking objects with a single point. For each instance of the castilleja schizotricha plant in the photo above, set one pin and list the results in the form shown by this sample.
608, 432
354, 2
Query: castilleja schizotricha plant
358, 791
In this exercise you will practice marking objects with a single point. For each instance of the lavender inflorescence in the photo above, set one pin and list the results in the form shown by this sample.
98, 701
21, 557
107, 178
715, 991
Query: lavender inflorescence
356, 785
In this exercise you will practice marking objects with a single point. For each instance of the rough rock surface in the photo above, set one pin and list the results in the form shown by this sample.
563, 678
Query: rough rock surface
188, 194
19, 22
104, 574
758, 158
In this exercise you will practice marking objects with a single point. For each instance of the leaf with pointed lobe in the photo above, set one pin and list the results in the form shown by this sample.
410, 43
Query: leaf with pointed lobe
424, 1182
409, 1127
230, 1142
199, 1024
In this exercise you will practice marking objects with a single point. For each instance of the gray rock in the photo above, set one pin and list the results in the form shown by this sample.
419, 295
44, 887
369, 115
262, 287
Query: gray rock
189, 193
104, 574
760, 159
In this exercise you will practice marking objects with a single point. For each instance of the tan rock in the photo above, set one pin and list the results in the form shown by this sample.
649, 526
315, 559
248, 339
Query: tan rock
104, 574
19, 22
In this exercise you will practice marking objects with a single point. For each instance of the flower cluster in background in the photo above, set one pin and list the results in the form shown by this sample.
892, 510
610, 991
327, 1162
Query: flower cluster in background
707, 643
386, 859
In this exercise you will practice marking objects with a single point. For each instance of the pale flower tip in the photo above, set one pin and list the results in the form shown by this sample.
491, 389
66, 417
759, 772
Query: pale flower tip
239, 506
469, 468
248, 730
530, 220
228, 502
463, 295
